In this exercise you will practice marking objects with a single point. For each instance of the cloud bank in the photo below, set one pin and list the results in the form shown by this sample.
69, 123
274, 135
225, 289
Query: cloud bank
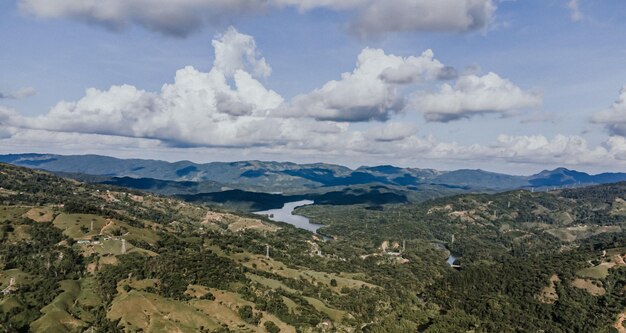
228, 107
183, 17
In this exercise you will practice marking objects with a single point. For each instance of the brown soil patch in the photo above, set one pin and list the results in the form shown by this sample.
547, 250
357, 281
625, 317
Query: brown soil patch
196, 291
619, 325
589, 286
548, 294
446, 208
40, 215
237, 223
108, 260
109, 224
619, 260
135, 198
92, 267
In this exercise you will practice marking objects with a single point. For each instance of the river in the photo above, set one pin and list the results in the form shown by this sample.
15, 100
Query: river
286, 215
451, 260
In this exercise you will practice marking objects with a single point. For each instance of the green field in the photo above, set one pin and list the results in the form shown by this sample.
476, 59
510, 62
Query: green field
152, 313
597, 272
57, 317
334, 314
71, 225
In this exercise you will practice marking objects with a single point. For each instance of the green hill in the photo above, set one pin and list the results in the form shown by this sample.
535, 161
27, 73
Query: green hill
78, 257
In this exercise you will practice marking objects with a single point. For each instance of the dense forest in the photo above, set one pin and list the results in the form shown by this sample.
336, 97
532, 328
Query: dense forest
76, 257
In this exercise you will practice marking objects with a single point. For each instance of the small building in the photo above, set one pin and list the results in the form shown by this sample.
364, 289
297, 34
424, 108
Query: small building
10, 288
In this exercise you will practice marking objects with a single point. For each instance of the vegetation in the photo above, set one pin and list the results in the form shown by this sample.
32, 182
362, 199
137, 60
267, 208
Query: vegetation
75, 257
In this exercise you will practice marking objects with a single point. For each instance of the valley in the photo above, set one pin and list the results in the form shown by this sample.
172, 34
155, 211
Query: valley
109, 259
302, 166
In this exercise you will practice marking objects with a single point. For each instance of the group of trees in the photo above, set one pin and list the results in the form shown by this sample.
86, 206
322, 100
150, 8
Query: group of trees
45, 262
504, 262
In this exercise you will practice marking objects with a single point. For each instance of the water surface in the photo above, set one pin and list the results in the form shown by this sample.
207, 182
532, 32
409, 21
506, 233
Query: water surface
451, 260
286, 215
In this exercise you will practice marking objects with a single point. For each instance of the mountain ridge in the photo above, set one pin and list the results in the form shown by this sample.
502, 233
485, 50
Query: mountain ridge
272, 176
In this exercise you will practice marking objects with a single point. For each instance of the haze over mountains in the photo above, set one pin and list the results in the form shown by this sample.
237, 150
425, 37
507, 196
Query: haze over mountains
186, 177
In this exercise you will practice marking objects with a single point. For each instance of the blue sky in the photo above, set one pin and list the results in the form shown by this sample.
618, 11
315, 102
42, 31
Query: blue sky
537, 84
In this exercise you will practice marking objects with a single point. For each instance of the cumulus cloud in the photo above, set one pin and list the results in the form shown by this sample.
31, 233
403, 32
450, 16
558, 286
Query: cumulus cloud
614, 118
18, 94
182, 17
226, 106
474, 95
235, 51
371, 91
197, 109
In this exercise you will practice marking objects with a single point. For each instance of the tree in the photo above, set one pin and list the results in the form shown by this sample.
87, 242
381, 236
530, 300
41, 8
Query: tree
271, 327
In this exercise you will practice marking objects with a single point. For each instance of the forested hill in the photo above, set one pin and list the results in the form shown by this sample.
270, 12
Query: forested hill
185, 177
76, 257
543, 261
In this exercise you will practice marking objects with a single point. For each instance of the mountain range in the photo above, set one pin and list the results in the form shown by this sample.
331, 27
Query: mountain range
287, 177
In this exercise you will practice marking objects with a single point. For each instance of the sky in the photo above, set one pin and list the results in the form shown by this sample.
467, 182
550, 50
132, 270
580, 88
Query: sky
501, 85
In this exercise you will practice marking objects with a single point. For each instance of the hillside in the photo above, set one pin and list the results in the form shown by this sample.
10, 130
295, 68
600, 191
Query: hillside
84, 256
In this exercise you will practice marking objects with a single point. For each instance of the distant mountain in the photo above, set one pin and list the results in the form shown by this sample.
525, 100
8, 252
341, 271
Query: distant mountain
480, 179
564, 177
185, 177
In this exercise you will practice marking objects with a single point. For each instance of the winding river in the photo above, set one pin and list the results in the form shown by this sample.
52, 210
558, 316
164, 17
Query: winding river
286, 215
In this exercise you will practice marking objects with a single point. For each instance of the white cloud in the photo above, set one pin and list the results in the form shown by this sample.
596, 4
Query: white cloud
228, 108
5, 117
424, 15
393, 131
371, 91
182, 17
537, 149
334, 144
170, 17
196, 109
382, 16
19, 94
474, 95
235, 51
224, 107
576, 15
614, 118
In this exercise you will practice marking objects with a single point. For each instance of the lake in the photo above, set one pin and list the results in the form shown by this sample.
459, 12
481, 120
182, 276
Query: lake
286, 215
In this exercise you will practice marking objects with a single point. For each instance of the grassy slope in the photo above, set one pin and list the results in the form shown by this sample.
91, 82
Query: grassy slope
142, 217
